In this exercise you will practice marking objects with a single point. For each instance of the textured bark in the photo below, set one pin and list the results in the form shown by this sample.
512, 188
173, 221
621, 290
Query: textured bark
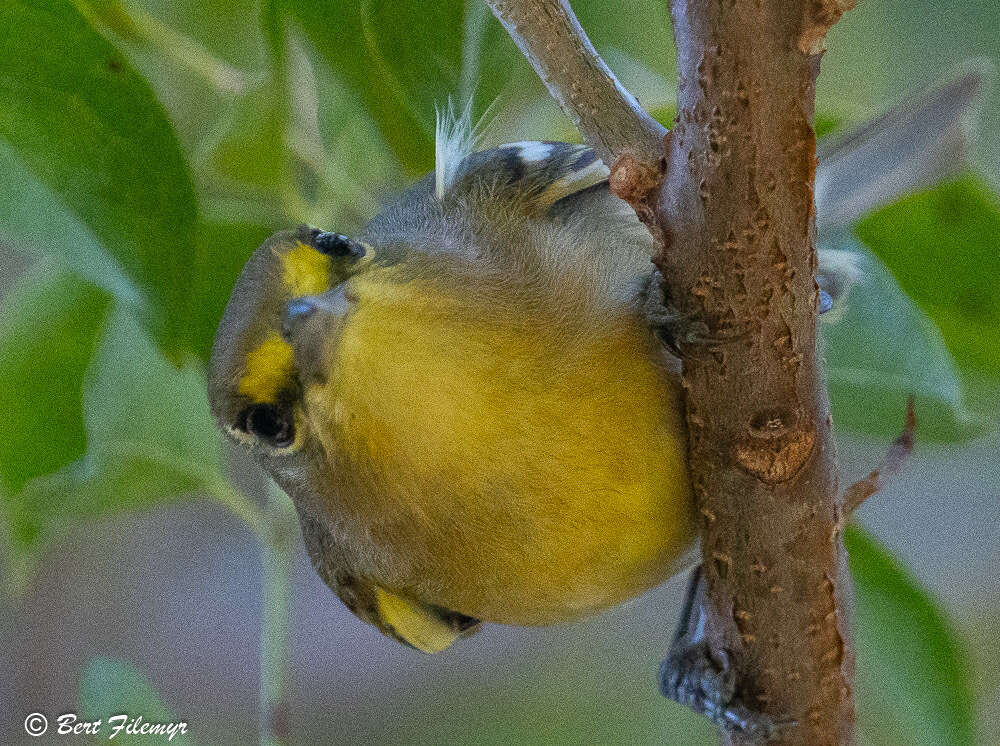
729, 195
737, 219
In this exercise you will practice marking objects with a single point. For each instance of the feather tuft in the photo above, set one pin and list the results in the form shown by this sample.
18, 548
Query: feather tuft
455, 137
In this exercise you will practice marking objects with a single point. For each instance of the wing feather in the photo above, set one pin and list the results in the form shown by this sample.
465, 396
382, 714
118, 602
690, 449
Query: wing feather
426, 627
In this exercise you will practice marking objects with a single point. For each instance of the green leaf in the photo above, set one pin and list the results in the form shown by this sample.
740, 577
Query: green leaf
150, 435
36, 221
49, 326
86, 128
825, 124
943, 245
300, 146
400, 59
252, 148
910, 666
20, 558
881, 350
110, 687
665, 115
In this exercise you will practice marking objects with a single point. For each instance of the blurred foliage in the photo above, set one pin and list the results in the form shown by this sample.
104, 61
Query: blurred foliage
150, 436
881, 349
912, 683
400, 70
110, 687
943, 245
89, 129
147, 148
49, 325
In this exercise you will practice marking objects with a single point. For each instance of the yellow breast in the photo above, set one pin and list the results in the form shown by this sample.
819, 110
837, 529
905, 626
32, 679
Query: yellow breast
512, 463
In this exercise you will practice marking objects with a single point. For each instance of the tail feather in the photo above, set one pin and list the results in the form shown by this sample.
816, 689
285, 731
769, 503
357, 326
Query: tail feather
914, 145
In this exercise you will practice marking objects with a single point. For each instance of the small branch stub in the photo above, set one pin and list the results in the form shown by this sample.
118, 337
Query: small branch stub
777, 445
902, 447
820, 16
638, 183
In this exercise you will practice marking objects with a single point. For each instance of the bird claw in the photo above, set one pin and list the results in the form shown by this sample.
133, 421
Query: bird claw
693, 676
676, 330
667, 323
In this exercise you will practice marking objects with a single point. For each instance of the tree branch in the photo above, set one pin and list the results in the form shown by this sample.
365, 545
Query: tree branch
736, 210
735, 218
609, 118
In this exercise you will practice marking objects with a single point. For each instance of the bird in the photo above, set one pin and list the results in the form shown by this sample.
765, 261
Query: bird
467, 401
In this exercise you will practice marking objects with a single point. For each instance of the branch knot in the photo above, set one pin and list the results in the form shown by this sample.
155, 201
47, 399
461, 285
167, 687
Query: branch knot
638, 183
776, 446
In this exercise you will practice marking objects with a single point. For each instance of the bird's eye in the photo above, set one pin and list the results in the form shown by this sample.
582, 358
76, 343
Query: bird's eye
271, 424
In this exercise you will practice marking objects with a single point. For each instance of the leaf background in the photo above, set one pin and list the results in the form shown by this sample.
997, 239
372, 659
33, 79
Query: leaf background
140, 186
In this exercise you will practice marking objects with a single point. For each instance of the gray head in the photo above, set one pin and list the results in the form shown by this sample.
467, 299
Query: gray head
253, 385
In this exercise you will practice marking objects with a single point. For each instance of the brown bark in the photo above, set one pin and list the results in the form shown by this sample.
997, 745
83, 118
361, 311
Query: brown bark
737, 219
734, 214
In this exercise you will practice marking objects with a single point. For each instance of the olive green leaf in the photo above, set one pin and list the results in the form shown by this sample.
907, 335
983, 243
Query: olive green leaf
37, 223
150, 435
298, 147
88, 134
401, 59
881, 349
50, 324
910, 668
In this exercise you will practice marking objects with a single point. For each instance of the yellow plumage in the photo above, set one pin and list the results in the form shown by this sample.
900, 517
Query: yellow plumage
304, 271
424, 631
467, 404
546, 452
268, 368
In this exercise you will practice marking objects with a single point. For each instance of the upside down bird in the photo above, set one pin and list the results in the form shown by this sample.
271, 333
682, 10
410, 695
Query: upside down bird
468, 401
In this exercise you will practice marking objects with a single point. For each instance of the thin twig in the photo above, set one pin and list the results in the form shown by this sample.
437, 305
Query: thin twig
610, 119
241, 506
277, 554
857, 493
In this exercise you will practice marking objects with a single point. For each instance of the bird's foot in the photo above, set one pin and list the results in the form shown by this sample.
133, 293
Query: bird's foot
693, 676
706, 681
